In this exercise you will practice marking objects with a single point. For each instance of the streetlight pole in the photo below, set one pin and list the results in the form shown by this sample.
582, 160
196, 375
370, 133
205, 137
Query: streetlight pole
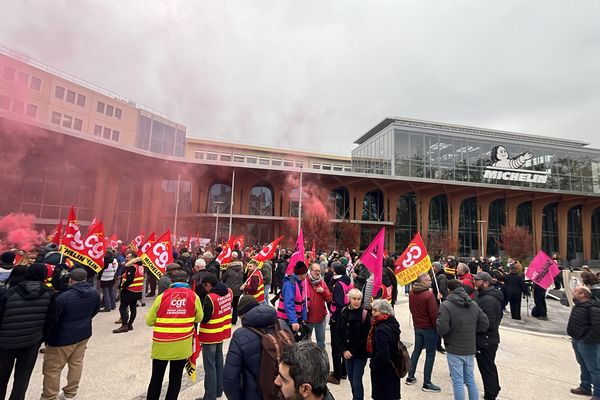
218, 204
482, 250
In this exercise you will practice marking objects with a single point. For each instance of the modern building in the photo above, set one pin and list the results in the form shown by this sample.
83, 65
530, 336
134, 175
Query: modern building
66, 141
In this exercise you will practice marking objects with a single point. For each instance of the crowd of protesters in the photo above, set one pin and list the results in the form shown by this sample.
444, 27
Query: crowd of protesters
456, 310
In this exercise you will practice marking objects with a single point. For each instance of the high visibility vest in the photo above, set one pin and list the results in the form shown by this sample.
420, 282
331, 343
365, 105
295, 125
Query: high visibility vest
49, 273
386, 293
346, 288
298, 303
260, 292
137, 286
218, 327
175, 315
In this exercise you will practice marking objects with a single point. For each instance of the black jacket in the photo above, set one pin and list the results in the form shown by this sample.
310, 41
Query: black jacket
514, 285
584, 322
214, 267
353, 331
71, 316
385, 384
207, 305
23, 313
490, 301
197, 277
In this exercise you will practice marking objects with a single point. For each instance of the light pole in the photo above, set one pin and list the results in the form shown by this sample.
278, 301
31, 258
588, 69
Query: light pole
218, 204
482, 250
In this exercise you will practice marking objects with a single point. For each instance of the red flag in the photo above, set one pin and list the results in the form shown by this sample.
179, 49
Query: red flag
189, 240
159, 255
137, 242
412, 262
313, 252
225, 256
372, 258
240, 242
18, 258
190, 365
148, 243
56, 238
112, 241
72, 233
90, 251
268, 251
298, 254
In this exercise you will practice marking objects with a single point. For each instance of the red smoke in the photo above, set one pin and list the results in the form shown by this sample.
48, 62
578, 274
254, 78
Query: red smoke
17, 231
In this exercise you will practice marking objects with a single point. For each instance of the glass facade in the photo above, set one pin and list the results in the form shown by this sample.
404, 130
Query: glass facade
219, 192
340, 201
524, 216
497, 219
550, 229
438, 214
373, 206
406, 220
261, 201
596, 234
160, 137
376, 156
574, 234
467, 228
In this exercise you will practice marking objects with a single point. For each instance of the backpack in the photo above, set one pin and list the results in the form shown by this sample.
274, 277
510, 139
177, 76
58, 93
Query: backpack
402, 362
272, 344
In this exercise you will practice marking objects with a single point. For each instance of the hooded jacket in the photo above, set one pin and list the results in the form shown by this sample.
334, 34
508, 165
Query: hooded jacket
71, 317
459, 320
23, 313
233, 277
490, 301
242, 365
423, 306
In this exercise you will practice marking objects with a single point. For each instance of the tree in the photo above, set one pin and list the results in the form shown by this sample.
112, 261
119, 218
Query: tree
442, 241
347, 234
517, 242
317, 228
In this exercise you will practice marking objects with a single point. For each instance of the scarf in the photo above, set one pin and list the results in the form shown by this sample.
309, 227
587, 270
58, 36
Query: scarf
315, 282
374, 322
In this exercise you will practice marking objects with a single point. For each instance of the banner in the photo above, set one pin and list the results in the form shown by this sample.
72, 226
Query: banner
372, 258
90, 252
542, 270
149, 242
224, 256
190, 365
268, 251
159, 255
57, 236
72, 233
298, 254
413, 262
112, 241
239, 242
137, 242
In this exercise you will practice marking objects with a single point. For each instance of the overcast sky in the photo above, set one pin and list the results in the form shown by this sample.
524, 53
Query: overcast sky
316, 75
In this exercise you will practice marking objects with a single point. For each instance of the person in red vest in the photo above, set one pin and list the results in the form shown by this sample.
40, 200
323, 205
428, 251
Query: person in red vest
172, 315
254, 285
214, 329
132, 285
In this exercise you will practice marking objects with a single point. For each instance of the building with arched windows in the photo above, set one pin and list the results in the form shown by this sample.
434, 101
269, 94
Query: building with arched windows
68, 142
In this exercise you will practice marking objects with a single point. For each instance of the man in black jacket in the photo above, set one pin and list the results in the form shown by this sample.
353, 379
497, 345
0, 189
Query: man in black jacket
23, 311
69, 331
490, 301
584, 328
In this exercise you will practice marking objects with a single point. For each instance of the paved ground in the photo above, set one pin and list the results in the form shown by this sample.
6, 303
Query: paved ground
532, 365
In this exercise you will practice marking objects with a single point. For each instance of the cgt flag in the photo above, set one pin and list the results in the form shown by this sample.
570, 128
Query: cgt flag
158, 255
137, 242
56, 238
372, 258
268, 251
90, 251
190, 365
413, 262
149, 242
542, 270
224, 256
298, 254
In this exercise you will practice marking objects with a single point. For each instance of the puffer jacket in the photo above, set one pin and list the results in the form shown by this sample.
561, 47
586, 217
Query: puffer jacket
233, 277
267, 272
584, 321
490, 301
23, 313
242, 366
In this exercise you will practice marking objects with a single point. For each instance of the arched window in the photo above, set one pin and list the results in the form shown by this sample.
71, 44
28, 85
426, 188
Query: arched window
574, 234
261, 200
373, 206
550, 229
596, 234
524, 216
341, 203
467, 227
406, 220
219, 196
438, 214
497, 219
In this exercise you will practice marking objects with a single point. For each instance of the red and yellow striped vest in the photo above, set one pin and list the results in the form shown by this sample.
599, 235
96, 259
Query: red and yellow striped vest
259, 295
218, 328
138, 282
175, 315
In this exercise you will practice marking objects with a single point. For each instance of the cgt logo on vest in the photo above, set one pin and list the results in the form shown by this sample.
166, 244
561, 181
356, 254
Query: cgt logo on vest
178, 302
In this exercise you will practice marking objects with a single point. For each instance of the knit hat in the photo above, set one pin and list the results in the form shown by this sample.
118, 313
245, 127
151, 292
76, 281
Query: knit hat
179, 276
246, 303
300, 268
173, 266
78, 275
338, 268
36, 272
344, 261
8, 257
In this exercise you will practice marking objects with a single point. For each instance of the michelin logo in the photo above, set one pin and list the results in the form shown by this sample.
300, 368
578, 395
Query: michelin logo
505, 168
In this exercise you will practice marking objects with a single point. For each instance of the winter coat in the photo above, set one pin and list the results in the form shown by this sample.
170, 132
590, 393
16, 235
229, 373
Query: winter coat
584, 321
214, 268
163, 283
338, 296
514, 286
490, 301
423, 307
353, 331
317, 302
207, 305
442, 285
596, 291
108, 274
242, 366
267, 273
197, 278
385, 384
288, 294
469, 284
71, 316
23, 313
233, 277
362, 274
459, 320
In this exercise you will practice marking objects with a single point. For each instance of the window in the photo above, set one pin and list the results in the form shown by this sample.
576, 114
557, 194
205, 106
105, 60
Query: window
97, 130
327, 167
36, 83
23, 79
80, 100
211, 156
238, 158
115, 135
106, 133
118, 113
70, 96
9, 74
348, 168
199, 155
77, 124
299, 164
18, 106
56, 117
288, 163
100, 107
109, 110
276, 162
59, 92
4, 102
316, 165
263, 161
337, 168
225, 157
251, 160
32, 110
67, 121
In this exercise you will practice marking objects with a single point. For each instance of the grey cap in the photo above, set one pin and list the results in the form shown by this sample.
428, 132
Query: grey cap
78, 275
483, 276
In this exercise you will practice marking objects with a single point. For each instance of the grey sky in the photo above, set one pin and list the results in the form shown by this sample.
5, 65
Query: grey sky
316, 75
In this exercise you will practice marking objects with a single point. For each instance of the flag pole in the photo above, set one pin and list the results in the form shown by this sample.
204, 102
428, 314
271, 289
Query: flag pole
300, 205
231, 205
176, 207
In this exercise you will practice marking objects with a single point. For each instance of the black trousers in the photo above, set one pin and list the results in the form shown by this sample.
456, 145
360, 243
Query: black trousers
22, 360
337, 353
158, 373
127, 318
489, 373
515, 305
234, 306
539, 297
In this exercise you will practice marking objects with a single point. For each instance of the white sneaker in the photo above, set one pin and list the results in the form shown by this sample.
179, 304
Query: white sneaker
61, 396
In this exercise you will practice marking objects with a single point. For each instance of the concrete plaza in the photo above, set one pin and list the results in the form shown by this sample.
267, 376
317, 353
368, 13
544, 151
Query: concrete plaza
532, 364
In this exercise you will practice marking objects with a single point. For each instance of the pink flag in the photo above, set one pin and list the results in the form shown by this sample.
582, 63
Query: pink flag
372, 258
542, 270
298, 254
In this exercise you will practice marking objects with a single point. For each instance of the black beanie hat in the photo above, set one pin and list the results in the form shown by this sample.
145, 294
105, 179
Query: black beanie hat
338, 268
210, 279
36, 272
246, 303
300, 268
8, 257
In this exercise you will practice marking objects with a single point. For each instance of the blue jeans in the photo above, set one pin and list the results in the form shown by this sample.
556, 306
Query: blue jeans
424, 338
319, 329
108, 295
588, 358
355, 367
461, 371
267, 290
212, 357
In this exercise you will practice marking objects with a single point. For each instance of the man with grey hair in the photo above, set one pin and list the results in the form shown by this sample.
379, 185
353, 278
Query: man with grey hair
464, 275
303, 371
